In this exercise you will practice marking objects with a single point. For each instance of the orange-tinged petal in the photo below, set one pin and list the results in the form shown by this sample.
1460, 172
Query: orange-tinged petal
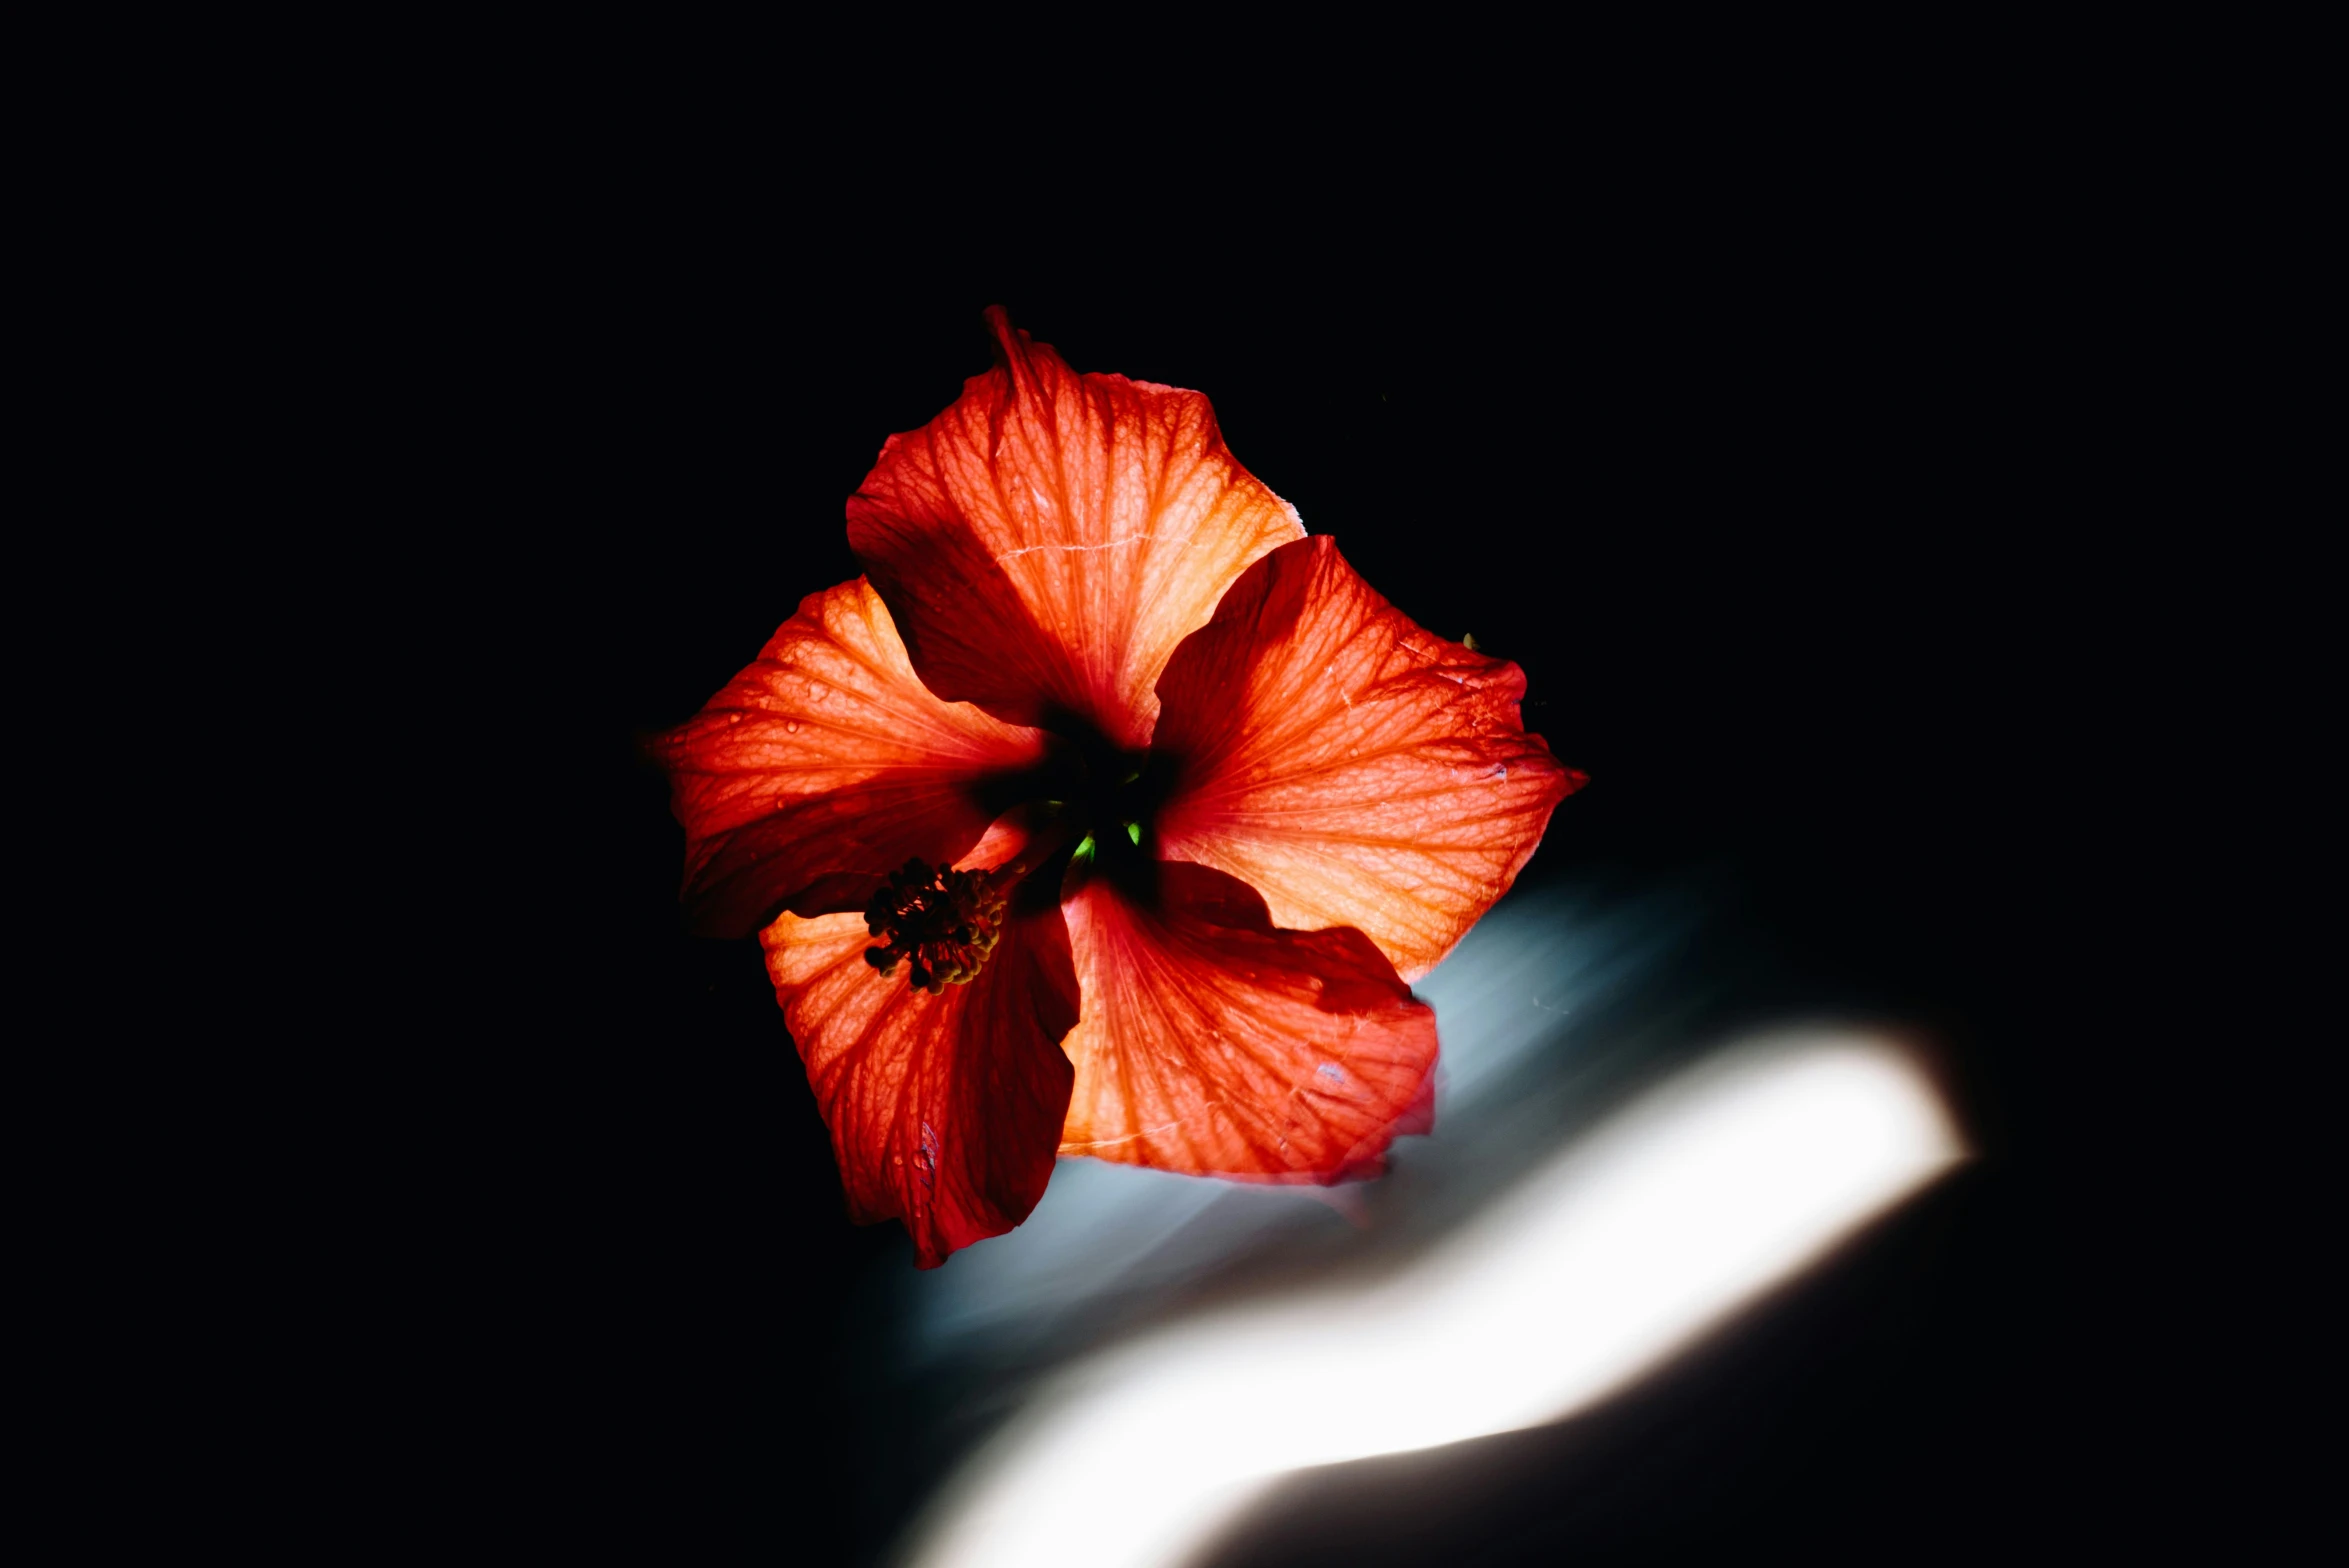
1215, 1044
1045, 543
944, 1109
824, 766
1350, 767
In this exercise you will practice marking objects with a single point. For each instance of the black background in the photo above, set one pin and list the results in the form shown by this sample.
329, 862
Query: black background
1756, 484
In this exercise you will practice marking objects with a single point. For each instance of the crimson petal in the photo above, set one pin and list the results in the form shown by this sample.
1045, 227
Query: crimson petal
825, 765
1215, 1044
944, 1109
1350, 767
1047, 541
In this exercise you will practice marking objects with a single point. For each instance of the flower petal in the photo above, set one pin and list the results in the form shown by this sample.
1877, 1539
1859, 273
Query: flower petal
1046, 542
944, 1109
1347, 765
1215, 1044
825, 765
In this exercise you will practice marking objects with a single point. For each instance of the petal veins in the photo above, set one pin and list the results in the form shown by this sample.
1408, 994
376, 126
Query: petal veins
1214, 1043
1352, 768
1047, 541
944, 1110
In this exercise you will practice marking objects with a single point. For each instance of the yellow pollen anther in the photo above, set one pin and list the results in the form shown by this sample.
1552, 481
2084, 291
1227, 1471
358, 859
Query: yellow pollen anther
943, 922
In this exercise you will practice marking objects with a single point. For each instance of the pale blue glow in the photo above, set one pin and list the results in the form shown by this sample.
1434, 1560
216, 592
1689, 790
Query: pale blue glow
1509, 1003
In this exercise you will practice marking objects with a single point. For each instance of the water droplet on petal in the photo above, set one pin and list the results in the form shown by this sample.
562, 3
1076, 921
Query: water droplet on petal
791, 726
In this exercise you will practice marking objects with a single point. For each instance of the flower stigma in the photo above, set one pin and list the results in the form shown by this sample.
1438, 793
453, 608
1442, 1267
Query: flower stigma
942, 921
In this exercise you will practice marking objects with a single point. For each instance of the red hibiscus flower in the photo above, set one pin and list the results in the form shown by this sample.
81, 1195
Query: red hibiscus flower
1107, 814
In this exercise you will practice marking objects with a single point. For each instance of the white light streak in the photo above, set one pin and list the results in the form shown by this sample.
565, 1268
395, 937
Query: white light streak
1695, 1200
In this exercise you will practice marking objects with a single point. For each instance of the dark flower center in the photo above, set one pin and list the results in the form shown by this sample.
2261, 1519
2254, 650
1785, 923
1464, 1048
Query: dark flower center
1104, 789
943, 922
1092, 801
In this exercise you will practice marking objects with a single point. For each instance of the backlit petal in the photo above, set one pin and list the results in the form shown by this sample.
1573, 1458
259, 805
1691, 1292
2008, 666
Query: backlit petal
1350, 767
825, 765
1046, 542
1215, 1044
944, 1109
